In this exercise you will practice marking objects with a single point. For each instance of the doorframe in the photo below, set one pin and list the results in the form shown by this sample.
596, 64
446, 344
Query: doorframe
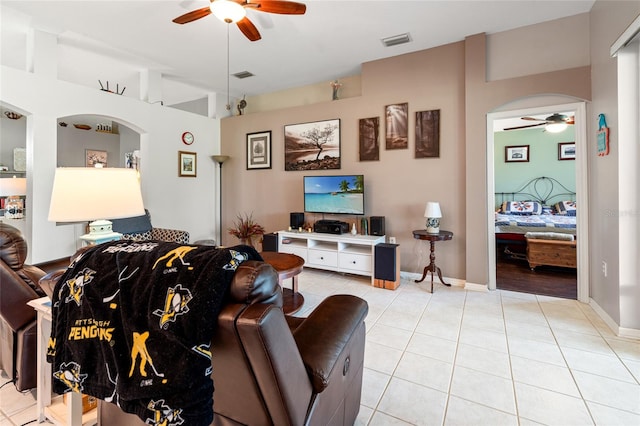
582, 187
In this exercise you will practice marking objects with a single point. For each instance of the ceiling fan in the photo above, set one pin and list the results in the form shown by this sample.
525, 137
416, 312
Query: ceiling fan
554, 123
231, 11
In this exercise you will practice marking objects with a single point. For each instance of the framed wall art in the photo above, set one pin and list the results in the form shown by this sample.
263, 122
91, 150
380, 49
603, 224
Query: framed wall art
396, 118
427, 134
95, 158
259, 150
187, 164
312, 146
369, 139
516, 154
566, 151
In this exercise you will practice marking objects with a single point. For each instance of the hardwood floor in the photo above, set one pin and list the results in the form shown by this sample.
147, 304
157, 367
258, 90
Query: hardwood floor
513, 273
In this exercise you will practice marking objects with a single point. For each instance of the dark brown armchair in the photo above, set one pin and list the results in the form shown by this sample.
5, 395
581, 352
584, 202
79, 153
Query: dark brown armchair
272, 369
18, 285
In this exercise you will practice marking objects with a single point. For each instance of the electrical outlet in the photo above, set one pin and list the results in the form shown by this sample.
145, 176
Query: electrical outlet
604, 268
392, 240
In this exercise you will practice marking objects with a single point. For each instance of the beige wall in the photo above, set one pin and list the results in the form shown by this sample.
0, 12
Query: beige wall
450, 78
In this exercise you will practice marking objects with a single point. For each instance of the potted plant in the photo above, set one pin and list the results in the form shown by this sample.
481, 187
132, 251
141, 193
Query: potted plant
245, 228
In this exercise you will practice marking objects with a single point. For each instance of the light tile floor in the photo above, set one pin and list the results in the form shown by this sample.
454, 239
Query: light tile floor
460, 357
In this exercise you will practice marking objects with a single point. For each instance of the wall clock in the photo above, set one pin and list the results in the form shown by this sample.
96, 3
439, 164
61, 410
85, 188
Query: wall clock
187, 138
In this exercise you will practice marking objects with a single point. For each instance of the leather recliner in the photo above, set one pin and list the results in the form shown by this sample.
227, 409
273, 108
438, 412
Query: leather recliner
273, 369
18, 333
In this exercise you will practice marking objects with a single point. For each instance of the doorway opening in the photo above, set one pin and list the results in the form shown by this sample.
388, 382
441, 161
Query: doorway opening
519, 182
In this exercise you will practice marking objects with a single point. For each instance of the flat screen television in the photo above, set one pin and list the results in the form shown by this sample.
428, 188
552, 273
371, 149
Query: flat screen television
342, 194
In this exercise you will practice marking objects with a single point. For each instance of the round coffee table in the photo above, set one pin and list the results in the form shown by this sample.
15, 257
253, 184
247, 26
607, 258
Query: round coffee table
287, 266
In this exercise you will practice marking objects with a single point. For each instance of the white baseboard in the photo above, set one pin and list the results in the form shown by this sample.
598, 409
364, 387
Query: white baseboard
630, 333
476, 287
453, 281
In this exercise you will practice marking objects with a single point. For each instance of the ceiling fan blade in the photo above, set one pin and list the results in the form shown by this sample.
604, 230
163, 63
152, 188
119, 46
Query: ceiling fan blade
277, 6
532, 119
192, 16
525, 127
248, 29
571, 120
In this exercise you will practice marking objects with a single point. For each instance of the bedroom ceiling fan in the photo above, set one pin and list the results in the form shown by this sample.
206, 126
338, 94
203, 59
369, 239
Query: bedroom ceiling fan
230, 11
555, 123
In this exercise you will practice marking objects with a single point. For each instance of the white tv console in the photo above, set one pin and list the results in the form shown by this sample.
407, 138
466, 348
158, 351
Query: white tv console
353, 254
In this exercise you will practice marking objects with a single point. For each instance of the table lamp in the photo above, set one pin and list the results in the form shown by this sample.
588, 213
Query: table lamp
13, 188
82, 194
433, 214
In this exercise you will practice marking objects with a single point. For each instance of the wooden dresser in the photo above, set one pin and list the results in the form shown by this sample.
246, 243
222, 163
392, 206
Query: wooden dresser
551, 252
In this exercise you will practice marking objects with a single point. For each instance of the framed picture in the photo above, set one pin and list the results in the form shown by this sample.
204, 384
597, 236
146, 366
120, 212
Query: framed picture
566, 151
397, 134
427, 134
312, 146
369, 138
95, 158
187, 164
259, 150
516, 154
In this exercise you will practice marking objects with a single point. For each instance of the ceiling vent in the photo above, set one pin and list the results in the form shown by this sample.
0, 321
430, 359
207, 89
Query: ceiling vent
396, 40
243, 74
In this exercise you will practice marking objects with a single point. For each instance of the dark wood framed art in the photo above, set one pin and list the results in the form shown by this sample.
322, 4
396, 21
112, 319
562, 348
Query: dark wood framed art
369, 138
259, 150
427, 134
516, 154
187, 164
396, 127
312, 146
566, 151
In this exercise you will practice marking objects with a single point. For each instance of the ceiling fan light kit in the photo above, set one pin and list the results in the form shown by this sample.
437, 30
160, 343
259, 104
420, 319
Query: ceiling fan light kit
227, 11
556, 127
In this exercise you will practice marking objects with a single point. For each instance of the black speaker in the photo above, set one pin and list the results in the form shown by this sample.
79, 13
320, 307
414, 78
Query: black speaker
270, 242
385, 264
376, 225
296, 220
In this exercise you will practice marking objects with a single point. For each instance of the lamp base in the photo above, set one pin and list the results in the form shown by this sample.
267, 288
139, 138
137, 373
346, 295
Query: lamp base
433, 225
100, 231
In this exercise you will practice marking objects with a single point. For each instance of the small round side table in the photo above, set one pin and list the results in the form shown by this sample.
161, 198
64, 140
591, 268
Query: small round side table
422, 234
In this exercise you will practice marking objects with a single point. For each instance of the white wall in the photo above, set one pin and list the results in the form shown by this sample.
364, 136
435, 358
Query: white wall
182, 203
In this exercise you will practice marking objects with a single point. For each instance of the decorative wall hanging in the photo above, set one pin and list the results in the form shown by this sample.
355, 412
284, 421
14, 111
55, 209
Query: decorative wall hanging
396, 117
20, 159
259, 150
567, 151
427, 134
187, 164
312, 146
369, 137
603, 136
95, 158
516, 154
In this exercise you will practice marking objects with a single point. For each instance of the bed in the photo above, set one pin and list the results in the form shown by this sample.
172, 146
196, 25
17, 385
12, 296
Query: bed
543, 209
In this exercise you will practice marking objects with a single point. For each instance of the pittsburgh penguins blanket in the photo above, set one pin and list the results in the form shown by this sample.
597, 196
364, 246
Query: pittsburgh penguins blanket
132, 325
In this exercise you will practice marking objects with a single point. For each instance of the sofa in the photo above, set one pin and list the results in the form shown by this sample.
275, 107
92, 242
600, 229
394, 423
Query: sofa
139, 228
273, 369
18, 333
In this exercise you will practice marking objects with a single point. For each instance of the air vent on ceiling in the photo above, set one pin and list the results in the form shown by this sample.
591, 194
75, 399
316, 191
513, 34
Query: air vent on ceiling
396, 40
243, 74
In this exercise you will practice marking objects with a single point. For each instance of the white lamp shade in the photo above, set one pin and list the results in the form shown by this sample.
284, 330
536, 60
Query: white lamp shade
85, 194
432, 209
13, 186
556, 127
227, 11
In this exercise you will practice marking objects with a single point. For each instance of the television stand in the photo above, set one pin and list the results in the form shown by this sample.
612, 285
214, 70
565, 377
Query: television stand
352, 254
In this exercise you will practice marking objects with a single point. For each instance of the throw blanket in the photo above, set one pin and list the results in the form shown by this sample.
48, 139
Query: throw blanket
132, 325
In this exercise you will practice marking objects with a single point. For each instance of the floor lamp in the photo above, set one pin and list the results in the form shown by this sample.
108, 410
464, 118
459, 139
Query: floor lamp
220, 159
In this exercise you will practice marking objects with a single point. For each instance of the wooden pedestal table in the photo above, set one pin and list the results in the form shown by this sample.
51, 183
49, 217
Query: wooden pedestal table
287, 266
422, 234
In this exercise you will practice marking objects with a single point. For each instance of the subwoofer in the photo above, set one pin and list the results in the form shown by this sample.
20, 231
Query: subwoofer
296, 220
376, 225
270, 242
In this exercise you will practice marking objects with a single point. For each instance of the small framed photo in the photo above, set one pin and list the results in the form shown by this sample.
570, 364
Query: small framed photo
187, 164
516, 154
259, 150
95, 158
566, 151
